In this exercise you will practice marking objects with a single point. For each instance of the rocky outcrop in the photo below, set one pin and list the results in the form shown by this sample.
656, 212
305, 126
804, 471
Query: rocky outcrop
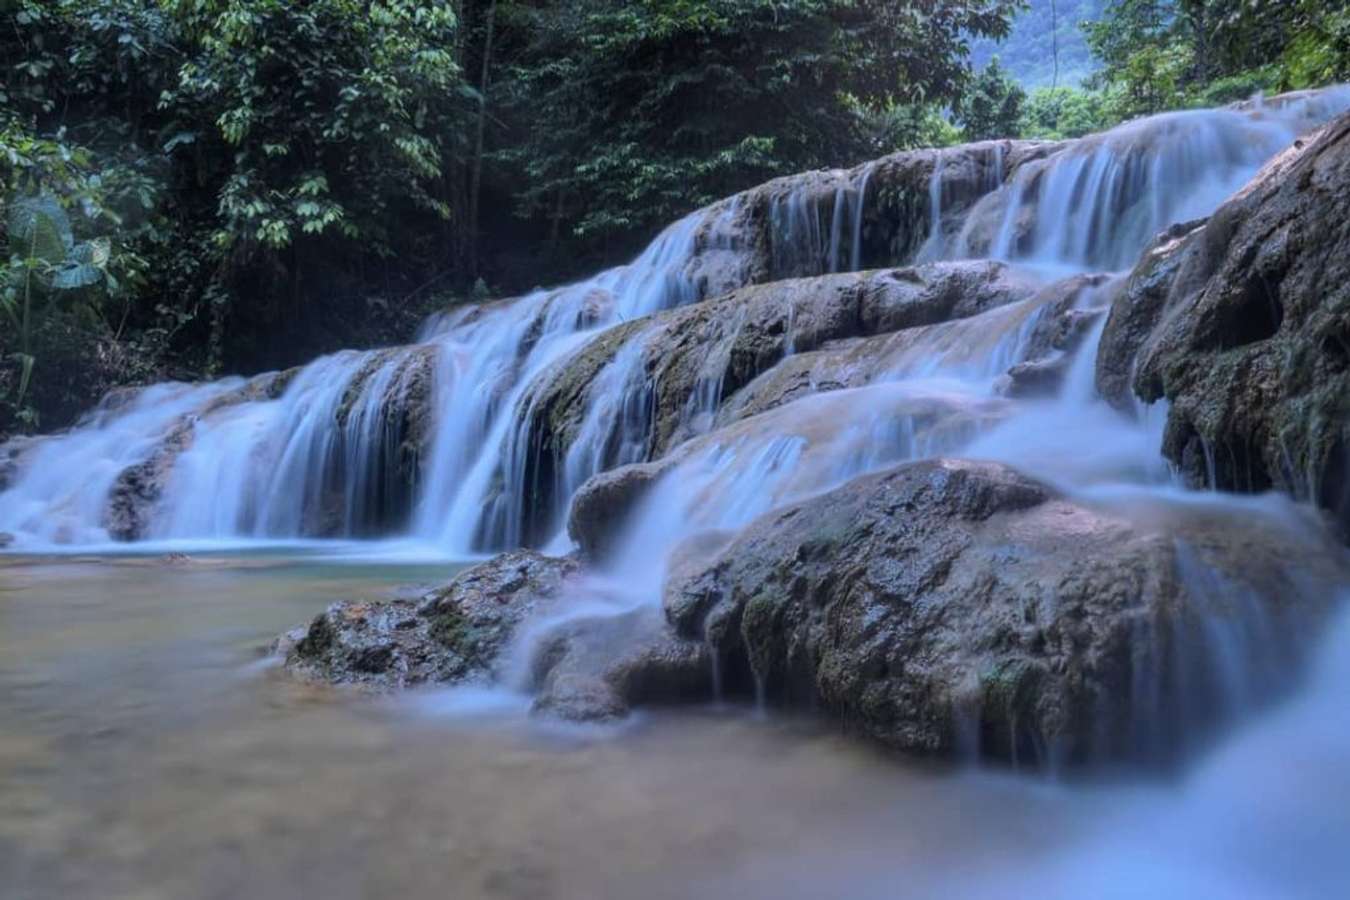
941, 607
584, 668
1243, 326
945, 606
1057, 325
450, 634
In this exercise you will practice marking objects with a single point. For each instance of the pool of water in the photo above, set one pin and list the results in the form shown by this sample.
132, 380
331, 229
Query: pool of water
149, 749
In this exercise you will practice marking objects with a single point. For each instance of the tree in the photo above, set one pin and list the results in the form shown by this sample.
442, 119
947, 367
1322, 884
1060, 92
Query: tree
1061, 113
992, 106
625, 116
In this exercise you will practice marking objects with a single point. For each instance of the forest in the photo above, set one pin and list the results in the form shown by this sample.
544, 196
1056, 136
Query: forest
199, 187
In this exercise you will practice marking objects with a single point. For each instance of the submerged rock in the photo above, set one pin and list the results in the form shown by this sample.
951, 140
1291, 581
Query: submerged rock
954, 607
598, 669
1243, 326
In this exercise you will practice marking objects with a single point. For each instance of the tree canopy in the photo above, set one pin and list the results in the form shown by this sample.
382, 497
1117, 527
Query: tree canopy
192, 187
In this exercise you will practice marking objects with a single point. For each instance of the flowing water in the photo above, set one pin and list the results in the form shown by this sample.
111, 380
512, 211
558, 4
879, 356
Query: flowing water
148, 751
148, 748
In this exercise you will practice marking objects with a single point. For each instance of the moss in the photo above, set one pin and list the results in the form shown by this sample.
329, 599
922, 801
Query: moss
451, 628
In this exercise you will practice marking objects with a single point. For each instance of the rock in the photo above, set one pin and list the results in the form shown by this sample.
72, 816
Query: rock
450, 634
604, 503
12, 453
597, 670
588, 669
1038, 378
1058, 326
1243, 326
1136, 311
946, 607
135, 495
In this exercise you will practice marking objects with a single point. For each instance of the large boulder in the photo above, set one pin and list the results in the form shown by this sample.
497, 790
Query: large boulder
946, 607
1243, 326
496, 621
449, 634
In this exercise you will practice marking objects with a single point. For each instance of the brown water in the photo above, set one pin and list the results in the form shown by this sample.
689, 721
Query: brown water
148, 750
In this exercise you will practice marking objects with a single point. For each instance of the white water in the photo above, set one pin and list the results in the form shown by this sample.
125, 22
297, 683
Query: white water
1097, 204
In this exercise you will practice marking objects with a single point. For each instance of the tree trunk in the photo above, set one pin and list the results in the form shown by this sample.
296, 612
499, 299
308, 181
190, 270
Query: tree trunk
476, 181
1054, 41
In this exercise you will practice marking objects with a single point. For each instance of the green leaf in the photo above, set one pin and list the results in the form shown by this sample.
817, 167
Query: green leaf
39, 229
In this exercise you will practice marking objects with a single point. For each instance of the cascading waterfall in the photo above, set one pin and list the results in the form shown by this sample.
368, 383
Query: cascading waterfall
494, 366
1097, 204
62, 493
814, 228
327, 457
322, 459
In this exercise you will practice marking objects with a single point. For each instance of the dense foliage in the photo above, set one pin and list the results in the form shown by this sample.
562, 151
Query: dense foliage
192, 187
1164, 54
621, 109
239, 163
1154, 55
992, 106
243, 184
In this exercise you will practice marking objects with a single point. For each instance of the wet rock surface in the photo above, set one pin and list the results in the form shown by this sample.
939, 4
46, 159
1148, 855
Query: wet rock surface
12, 453
1243, 326
952, 607
448, 634
585, 668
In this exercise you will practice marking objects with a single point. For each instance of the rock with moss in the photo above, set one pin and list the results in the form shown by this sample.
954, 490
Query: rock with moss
952, 607
446, 635
1243, 326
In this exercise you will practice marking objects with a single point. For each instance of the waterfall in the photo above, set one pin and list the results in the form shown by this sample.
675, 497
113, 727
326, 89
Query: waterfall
61, 494
320, 460
1098, 203
447, 440
816, 225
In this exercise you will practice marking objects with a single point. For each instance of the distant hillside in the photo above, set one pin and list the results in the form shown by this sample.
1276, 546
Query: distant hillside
1028, 53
